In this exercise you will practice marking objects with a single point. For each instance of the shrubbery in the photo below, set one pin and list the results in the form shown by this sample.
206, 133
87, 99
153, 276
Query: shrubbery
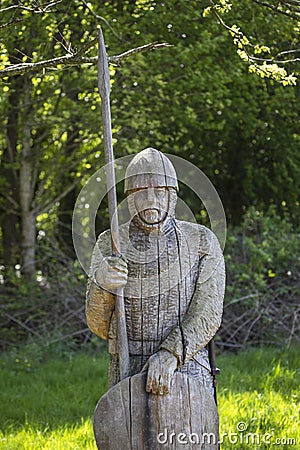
49, 310
262, 295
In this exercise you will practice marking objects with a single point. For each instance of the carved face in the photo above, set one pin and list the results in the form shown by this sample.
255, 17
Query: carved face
152, 204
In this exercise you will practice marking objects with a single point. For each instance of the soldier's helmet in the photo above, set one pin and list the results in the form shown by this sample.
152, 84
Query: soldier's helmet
150, 168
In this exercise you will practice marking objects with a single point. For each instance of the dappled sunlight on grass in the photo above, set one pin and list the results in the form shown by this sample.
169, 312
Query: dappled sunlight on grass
71, 437
47, 403
259, 398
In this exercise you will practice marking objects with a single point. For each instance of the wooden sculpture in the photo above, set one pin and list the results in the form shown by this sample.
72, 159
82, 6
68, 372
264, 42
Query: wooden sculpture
173, 277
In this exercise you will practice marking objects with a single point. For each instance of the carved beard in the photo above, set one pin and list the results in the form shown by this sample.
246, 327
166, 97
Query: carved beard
152, 216
152, 219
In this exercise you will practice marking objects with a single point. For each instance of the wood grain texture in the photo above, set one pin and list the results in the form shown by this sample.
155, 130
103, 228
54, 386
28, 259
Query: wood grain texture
150, 168
128, 418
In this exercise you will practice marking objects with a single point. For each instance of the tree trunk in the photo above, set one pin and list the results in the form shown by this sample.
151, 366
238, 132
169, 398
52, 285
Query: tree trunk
28, 244
28, 219
66, 204
64, 226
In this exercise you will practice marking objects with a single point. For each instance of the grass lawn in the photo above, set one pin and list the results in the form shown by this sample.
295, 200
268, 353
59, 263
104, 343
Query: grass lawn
47, 401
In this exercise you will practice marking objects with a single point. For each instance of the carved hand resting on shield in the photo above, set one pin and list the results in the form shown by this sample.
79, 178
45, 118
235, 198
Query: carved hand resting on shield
161, 367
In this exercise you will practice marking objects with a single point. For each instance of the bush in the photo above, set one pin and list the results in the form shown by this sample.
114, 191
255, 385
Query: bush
263, 267
48, 310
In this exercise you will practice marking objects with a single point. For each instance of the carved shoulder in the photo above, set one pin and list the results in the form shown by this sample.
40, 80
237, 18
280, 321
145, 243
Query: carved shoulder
207, 241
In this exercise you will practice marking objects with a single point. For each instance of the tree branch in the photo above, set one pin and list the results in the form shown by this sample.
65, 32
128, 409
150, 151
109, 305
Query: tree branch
293, 13
286, 52
265, 67
100, 19
273, 60
22, 324
39, 9
144, 48
10, 23
45, 208
76, 59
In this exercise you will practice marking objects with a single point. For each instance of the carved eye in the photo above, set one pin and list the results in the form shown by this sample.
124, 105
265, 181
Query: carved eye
161, 192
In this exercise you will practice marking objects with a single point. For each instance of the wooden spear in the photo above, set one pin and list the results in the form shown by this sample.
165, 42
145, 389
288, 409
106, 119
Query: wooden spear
104, 89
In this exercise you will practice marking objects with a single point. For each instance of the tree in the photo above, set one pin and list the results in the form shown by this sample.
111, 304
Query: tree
51, 138
198, 101
282, 53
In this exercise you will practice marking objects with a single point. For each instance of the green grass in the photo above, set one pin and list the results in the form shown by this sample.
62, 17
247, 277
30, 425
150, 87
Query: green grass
47, 401
259, 390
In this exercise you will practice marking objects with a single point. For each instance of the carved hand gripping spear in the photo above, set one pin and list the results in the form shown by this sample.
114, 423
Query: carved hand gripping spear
104, 89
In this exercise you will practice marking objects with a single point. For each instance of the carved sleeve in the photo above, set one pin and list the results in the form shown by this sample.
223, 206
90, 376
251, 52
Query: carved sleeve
203, 317
99, 303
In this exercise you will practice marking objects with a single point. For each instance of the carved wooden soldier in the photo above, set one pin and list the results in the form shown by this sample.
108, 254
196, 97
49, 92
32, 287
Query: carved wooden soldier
174, 278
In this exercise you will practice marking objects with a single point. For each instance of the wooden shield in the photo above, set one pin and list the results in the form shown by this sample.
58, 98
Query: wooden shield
129, 418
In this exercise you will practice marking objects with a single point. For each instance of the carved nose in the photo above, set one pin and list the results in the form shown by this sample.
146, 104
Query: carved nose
151, 195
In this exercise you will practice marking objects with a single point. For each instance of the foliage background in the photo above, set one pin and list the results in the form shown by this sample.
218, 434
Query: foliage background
195, 99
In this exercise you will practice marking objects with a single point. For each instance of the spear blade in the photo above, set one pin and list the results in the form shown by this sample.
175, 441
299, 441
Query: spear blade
104, 90
103, 70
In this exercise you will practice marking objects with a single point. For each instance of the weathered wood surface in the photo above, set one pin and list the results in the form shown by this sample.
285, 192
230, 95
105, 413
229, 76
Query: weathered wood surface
128, 418
150, 168
173, 307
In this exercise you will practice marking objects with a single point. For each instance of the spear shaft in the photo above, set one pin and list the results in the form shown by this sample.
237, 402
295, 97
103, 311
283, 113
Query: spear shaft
104, 90
213, 366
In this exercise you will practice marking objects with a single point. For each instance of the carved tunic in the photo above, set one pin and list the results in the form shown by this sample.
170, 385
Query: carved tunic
173, 298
